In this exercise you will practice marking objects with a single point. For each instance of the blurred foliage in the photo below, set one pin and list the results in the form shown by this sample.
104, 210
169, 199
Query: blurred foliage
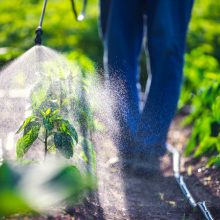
72, 183
201, 88
11, 200
20, 18
80, 41
67, 184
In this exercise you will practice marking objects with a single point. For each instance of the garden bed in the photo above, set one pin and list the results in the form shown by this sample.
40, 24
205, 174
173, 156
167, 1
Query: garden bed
157, 196
128, 196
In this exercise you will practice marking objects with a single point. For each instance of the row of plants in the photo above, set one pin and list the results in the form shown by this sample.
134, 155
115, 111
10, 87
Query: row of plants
201, 88
60, 30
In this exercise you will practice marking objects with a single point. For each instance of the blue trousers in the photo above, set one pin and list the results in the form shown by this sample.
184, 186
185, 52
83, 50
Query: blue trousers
123, 25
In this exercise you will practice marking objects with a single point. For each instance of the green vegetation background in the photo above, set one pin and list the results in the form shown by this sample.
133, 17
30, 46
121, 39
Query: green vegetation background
80, 42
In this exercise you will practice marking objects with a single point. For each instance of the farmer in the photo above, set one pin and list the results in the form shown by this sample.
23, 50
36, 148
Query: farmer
124, 26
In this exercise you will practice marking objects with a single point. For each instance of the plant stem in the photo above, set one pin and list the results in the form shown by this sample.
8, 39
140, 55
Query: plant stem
45, 144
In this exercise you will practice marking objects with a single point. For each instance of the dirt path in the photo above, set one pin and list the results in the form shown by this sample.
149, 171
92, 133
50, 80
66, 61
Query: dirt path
154, 197
128, 196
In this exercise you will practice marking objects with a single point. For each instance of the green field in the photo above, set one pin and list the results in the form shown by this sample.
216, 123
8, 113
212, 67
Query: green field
80, 42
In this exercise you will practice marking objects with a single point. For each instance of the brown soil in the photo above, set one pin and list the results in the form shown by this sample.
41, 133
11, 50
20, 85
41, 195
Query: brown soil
203, 182
129, 196
126, 195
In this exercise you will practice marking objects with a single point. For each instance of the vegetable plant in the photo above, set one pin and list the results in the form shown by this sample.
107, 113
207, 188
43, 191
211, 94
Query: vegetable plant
44, 124
201, 84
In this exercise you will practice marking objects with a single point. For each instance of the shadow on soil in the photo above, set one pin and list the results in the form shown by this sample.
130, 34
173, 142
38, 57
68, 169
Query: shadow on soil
155, 196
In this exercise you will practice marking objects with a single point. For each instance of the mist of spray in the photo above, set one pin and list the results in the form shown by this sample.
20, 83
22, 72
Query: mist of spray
89, 105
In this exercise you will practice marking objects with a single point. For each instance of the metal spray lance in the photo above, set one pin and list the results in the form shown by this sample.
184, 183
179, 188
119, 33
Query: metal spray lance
39, 31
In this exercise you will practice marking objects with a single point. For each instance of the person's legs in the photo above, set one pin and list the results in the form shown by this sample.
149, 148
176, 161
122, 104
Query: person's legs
122, 45
167, 22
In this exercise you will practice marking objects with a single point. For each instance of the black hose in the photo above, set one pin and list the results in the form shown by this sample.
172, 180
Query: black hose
201, 206
79, 17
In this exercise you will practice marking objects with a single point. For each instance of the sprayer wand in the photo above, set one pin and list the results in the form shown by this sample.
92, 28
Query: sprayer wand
39, 30
79, 17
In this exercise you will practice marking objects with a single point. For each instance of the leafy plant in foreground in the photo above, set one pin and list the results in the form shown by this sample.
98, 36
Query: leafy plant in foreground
11, 200
67, 184
44, 124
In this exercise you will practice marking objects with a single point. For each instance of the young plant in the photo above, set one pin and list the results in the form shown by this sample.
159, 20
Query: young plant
43, 124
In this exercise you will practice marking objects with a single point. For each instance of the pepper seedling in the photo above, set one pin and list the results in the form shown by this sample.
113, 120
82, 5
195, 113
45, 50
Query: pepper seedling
52, 125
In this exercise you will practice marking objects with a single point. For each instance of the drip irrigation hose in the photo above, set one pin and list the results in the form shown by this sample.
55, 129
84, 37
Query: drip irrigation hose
79, 17
201, 206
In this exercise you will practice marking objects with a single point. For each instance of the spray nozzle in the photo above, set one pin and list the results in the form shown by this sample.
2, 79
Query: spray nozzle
38, 32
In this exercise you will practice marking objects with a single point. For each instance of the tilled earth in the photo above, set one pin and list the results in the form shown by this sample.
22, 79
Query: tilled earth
126, 195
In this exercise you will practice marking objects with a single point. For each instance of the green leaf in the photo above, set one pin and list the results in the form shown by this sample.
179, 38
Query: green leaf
64, 144
26, 121
8, 177
192, 143
214, 160
25, 142
215, 109
55, 112
206, 145
30, 125
48, 123
70, 183
84, 157
66, 127
12, 201
55, 116
215, 128
42, 113
48, 111
218, 144
72, 132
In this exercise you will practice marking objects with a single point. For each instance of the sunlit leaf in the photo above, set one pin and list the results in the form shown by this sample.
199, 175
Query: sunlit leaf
27, 120
48, 111
25, 142
207, 144
214, 160
31, 125
66, 127
55, 112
